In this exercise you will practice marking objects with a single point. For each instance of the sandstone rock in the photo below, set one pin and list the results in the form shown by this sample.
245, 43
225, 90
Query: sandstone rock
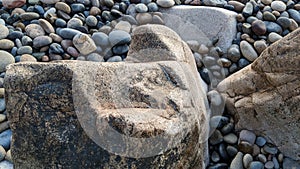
116, 115
264, 97
215, 22
13, 3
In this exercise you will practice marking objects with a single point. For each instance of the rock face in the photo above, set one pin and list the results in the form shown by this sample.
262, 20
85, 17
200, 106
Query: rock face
264, 97
215, 22
107, 115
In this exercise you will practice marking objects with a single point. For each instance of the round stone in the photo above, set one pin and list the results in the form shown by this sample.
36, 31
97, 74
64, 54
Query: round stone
2, 153
268, 16
266, 2
152, 7
34, 30
218, 166
24, 50
245, 147
157, 20
262, 158
238, 6
6, 44
284, 22
47, 26
5, 139
218, 121
8, 156
84, 44
63, 7
237, 162
91, 21
256, 165
123, 25
227, 128
233, 53
294, 14
270, 149
259, 27
141, 8
269, 165
49, 1
115, 59
120, 49
260, 46
216, 138
68, 33
165, 3
28, 16
4, 31
278, 6
248, 9
95, 57
100, 39
273, 37
27, 58
41, 41
109, 3
143, 18
215, 157
260, 141
13, 3
231, 150
6, 59
294, 25
273, 27
247, 159
230, 138
248, 51
119, 37
74, 23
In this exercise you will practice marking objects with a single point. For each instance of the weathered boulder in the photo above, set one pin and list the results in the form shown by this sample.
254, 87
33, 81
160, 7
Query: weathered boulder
107, 115
202, 23
264, 96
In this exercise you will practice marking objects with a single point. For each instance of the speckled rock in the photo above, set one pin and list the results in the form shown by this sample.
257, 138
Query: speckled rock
84, 44
6, 59
261, 99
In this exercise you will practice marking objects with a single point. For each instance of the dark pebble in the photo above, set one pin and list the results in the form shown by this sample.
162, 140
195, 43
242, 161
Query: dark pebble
260, 141
120, 49
232, 151
218, 121
15, 35
294, 14
284, 22
219, 166
215, 157
77, 7
216, 138
273, 27
204, 73
56, 48
243, 63
68, 33
5, 139
223, 153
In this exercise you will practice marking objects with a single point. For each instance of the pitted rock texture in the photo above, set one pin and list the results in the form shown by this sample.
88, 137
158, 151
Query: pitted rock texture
107, 115
264, 96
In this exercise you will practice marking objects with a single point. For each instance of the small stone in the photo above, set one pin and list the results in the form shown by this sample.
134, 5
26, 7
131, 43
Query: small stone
294, 14
5, 139
119, 37
27, 58
260, 141
194, 45
6, 59
68, 33
41, 41
13, 3
100, 39
4, 31
237, 162
143, 18
120, 49
34, 30
157, 20
233, 53
123, 25
84, 44
95, 11
63, 7
214, 2
266, 2
262, 158
77, 7
2, 105
273, 37
218, 121
227, 128
74, 23
256, 165
109, 3
293, 25
223, 153
152, 7
141, 8
49, 1
248, 51
247, 159
248, 9
230, 138
115, 59
238, 6
284, 22
165, 3
28, 16
47, 26
2, 153
278, 6
280, 157
91, 21
256, 150
6, 44
260, 46
273, 27
6, 165
2, 116
215, 157
8, 156
95, 57
216, 138
232, 151
243, 63
268, 16
55, 37
276, 164
2, 92
259, 27
269, 165
270, 149
24, 50
245, 147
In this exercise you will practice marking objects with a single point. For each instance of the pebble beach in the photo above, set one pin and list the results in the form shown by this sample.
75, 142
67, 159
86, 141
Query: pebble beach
100, 31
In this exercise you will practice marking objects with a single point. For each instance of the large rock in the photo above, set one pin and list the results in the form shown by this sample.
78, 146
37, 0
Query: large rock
107, 115
265, 96
202, 23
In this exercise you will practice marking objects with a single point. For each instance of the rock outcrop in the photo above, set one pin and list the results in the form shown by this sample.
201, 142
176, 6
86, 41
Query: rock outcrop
108, 115
265, 96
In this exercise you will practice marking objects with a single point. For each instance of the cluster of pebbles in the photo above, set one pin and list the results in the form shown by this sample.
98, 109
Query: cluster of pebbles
100, 31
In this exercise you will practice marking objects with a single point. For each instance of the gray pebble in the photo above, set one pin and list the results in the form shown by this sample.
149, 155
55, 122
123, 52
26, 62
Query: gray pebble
218, 121
262, 158
233, 53
5, 139
84, 44
230, 138
6, 59
248, 51
95, 57
219, 166
119, 37
91, 21
268, 16
215, 157
166, 3
227, 128
260, 46
74, 23
6, 165
248, 9
4, 31
123, 25
273, 37
24, 50
2, 104
260, 141
273, 27
41, 41
100, 39
270, 149
152, 7
237, 162
284, 22
278, 6
256, 165
27, 58
34, 30
269, 165
115, 59
6, 44
68, 33
120, 49
294, 14
141, 8
216, 138
231, 150
2, 153
275, 162
247, 159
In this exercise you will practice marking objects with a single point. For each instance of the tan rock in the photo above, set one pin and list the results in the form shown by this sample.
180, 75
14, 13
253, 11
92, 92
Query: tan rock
264, 96
13, 3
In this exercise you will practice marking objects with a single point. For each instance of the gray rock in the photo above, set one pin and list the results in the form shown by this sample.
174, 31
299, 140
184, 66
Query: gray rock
181, 18
233, 53
260, 46
120, 49
294, 14
268, 16
6, 165
237, 162
273, 37
248, 9
5, 139
278, 6
232, 151
100, 39
214, 2
269, 149
260, 141
91, 21
115, 59
247, 159
230, 138
141, 8
218, 166
284, 22
256, 165
4, 31
2, 105
41, 41
215, 157
152, 7
34, 30
269, 165
28, 16
144, 18
165, 3
2, 153
84, 44
262, 158
27, 58
215, 138
6, 59
123, 25
273, 27
6, 44
68, 33
24, 50
95, 57
248, 51
119, 37
276, 164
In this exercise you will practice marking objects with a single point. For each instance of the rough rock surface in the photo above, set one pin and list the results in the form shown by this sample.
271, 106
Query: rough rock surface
264, 96
215, 22
107, 115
